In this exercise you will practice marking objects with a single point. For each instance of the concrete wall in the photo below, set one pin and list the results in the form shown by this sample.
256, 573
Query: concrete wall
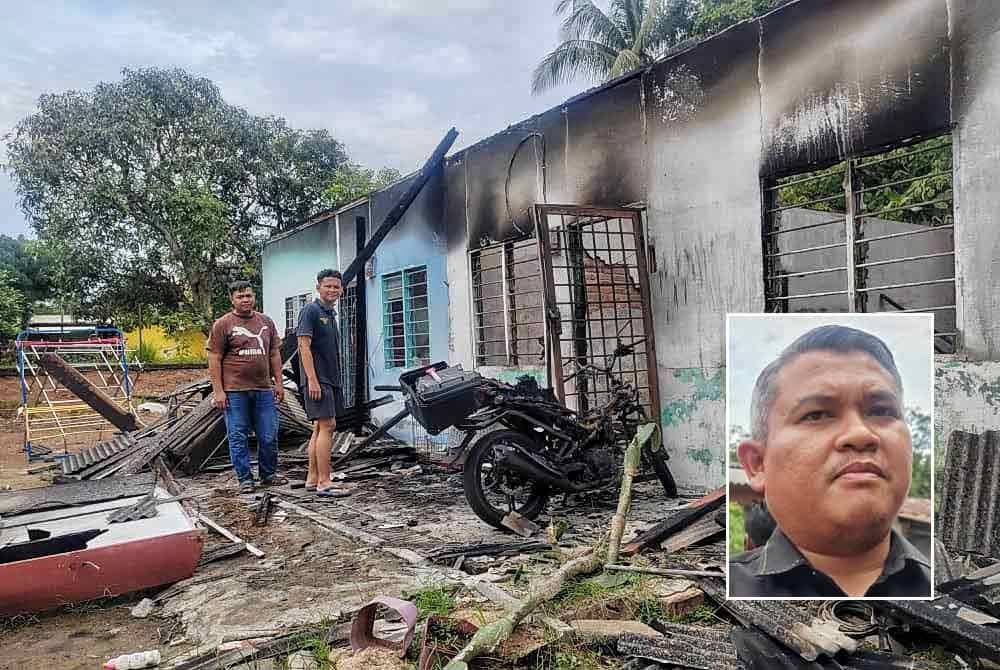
693, 136
290, 264
417, 241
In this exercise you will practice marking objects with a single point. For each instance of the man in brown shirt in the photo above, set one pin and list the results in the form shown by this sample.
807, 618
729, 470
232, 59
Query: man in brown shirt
244, 361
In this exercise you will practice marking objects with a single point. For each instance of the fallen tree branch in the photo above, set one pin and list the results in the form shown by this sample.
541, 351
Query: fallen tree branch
488, 638
631, 469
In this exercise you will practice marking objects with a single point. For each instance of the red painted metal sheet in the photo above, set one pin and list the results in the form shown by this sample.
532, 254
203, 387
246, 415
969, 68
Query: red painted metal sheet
50, 581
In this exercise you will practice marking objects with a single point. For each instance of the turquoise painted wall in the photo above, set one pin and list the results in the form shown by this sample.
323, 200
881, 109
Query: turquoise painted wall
290, 265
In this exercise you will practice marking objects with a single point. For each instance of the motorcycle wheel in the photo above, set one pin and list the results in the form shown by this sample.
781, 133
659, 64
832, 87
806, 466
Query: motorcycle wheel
485, 486
658, 461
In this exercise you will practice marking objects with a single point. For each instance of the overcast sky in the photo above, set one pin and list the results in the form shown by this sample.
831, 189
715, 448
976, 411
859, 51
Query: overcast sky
386, 77
756, 340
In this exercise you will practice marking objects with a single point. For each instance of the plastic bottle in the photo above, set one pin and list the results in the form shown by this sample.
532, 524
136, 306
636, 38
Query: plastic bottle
140, 659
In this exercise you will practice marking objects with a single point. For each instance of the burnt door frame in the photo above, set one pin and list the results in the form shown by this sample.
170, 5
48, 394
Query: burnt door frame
581, 216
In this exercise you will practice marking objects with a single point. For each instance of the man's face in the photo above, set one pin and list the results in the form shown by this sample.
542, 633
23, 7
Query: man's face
330, 289
835, 466
243, 300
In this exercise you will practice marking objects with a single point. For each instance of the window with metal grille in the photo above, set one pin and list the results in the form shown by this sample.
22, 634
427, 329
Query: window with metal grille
405, 319
293, 307
871, 234
508, 304
348, 312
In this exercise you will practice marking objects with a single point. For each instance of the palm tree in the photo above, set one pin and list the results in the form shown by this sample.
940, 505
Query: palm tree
602, 45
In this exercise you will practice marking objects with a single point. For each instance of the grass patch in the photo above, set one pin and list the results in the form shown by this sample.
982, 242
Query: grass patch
737, 530
434, 600
565, 656
702, 615
148, 352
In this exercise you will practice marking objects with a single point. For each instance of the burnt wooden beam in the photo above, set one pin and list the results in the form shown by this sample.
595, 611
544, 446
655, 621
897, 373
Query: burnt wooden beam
85, 390
397, 212
677, 521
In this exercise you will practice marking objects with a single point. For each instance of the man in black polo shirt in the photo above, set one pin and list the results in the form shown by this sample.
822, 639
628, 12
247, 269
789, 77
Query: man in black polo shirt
831, 453
319, 355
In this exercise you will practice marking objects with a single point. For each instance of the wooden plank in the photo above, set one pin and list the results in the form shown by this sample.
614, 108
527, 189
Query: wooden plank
704, 529
677, 521
85, 390
228, 535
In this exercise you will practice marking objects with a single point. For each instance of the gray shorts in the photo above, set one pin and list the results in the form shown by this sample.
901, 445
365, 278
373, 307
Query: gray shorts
330, 404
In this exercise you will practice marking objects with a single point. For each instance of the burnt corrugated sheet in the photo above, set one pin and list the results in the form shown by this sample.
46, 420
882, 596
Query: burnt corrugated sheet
74, 463
969, 494
786, 622
685, 646
941, 617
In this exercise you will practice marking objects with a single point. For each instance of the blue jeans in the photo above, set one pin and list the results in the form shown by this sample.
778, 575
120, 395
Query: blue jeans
257, 410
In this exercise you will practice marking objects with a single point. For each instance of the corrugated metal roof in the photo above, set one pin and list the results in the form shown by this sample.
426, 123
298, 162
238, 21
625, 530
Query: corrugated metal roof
969, 493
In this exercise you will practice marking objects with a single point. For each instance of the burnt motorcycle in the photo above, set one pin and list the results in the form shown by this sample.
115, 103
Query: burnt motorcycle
521, 445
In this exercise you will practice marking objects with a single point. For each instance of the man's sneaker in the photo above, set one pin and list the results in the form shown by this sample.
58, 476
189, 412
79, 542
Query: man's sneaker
247, 487
273, 480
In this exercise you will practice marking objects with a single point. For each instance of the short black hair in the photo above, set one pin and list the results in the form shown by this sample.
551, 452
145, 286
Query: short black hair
840, 339
759, 523
239, 285
327, 273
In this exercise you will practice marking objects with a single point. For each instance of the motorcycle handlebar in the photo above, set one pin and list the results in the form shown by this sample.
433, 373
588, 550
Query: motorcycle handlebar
393, 389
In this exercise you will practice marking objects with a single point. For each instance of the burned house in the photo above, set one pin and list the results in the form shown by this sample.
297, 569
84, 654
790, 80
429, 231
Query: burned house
824, 157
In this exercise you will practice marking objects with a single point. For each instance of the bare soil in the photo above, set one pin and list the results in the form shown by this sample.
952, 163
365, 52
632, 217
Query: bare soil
12, 458
79, 637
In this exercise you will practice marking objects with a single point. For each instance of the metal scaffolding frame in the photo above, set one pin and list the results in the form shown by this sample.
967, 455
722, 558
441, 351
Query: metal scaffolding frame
52, 413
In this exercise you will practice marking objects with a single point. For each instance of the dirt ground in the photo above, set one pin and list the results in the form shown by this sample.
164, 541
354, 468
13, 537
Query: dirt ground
148, 385
309, 574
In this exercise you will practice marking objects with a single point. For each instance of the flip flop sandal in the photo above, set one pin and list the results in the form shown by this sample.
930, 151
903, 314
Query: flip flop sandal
332, 493
310, 489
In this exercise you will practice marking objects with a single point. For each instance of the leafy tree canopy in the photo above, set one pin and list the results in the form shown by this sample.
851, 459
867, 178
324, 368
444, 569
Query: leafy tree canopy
352, 182
156, 177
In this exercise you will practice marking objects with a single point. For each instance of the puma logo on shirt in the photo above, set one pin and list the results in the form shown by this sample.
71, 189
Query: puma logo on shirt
240, 330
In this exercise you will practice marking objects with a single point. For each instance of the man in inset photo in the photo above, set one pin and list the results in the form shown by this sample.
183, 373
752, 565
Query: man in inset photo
831, 453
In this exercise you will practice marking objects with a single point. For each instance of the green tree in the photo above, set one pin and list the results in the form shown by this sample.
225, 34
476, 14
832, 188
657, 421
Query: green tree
713, 16
920, 436
29, 270
11, 305
601, 45
158, 171
352, 182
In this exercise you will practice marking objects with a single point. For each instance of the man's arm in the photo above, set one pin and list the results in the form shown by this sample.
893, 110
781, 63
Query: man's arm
215, 373
216, 349
275, 359
279, 388
308, 367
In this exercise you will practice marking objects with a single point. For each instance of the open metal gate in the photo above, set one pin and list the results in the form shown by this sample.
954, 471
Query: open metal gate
596, 296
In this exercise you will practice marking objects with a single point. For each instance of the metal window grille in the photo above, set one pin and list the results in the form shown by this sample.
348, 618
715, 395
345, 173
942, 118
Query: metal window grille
405, 319
508, 304
871, 234
348, 313
293, 307
596, 259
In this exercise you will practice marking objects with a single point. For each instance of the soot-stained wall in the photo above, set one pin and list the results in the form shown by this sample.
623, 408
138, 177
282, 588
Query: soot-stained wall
693, 136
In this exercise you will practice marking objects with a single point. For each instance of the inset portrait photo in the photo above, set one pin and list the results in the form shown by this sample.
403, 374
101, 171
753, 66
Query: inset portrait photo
830, 455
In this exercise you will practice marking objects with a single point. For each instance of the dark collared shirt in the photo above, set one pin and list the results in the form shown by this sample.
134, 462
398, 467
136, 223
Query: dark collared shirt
320, 323
779, 570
